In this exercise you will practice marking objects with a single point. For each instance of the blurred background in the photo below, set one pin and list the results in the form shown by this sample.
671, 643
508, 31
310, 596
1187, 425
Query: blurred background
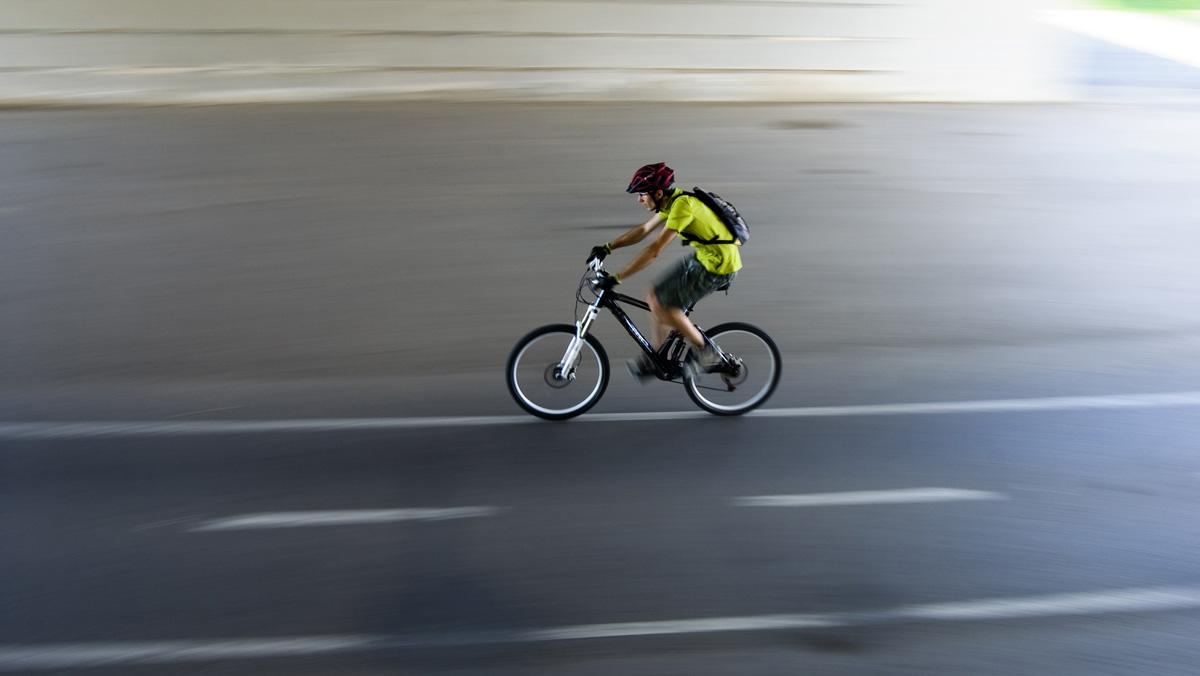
263, 262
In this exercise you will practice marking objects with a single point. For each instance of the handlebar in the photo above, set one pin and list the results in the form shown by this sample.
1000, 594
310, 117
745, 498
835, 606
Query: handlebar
595, 273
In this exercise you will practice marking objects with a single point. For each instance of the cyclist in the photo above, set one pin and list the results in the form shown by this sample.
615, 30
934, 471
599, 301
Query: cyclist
709, 267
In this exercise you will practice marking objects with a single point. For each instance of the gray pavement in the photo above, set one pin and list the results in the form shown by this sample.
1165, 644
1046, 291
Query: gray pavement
378, 261
280, 244
595, 529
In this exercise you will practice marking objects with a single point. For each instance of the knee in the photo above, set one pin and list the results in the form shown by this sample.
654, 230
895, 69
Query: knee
655, 308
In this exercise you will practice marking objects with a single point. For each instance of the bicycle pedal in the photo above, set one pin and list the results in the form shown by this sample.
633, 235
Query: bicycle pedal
638, 370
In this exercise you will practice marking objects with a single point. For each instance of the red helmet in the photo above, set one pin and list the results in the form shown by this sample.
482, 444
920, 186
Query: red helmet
652, 177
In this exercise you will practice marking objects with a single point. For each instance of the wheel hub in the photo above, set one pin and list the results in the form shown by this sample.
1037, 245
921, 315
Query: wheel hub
555, 378
734, 372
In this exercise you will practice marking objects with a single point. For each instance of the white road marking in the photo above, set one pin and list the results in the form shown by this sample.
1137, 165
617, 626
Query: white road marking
342, 517
80, 655
167, 522
708, 625
1102, 402
1053, 605
155, 428
149, 428
899, 496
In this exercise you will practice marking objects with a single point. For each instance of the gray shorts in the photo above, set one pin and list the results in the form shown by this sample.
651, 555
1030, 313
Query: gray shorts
686, 283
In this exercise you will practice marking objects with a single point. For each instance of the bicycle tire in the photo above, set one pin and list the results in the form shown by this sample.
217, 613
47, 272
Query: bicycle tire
600, 360
694, 390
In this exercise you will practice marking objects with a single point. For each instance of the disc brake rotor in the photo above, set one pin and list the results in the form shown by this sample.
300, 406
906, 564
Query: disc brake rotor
553, 379
736, 375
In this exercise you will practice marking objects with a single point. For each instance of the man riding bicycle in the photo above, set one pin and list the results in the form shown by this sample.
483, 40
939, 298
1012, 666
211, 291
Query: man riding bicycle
709, 267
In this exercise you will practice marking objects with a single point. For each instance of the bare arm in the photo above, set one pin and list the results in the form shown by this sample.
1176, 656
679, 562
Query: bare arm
647, 256
637, 233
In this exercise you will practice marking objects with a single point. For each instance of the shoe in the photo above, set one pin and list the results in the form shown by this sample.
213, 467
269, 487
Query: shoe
706, 361
641, 369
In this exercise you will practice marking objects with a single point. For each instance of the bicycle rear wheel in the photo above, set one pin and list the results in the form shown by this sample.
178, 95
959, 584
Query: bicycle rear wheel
537, 386
745, 383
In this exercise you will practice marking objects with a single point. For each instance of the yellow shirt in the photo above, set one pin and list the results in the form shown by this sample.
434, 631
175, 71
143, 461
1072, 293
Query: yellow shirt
688, 214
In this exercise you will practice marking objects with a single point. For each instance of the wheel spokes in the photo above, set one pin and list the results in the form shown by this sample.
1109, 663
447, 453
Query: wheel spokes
539, 383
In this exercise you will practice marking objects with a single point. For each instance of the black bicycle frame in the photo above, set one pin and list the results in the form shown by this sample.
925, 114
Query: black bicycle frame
664, 358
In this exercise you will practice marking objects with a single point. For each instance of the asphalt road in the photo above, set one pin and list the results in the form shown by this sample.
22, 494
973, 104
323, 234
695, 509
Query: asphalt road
212, 266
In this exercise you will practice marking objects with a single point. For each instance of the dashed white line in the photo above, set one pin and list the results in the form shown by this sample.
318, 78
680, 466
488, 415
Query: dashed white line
69, 430
346, 517
82, 655
897, 496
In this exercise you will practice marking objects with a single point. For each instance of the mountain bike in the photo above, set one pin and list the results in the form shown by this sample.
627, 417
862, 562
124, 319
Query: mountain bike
559, 371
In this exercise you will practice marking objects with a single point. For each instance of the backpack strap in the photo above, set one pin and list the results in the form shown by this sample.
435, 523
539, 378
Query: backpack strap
688, 239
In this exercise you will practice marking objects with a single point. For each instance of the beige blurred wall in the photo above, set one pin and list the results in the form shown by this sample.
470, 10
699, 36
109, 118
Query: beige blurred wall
185, 51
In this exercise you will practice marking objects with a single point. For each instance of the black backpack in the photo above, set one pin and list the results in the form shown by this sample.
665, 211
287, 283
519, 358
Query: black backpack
727, 213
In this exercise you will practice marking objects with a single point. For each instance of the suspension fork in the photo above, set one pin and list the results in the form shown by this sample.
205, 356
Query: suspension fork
566, 367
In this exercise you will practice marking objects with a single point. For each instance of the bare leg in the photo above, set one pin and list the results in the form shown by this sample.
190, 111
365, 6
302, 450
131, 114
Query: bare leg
659, 331
672, 318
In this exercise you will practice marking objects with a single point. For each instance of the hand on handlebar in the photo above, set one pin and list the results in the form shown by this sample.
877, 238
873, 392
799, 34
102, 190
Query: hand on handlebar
605, 281
599, 252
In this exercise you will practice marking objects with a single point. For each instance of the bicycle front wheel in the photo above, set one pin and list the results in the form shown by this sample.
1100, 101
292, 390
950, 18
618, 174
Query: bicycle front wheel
747, 380
539, 386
